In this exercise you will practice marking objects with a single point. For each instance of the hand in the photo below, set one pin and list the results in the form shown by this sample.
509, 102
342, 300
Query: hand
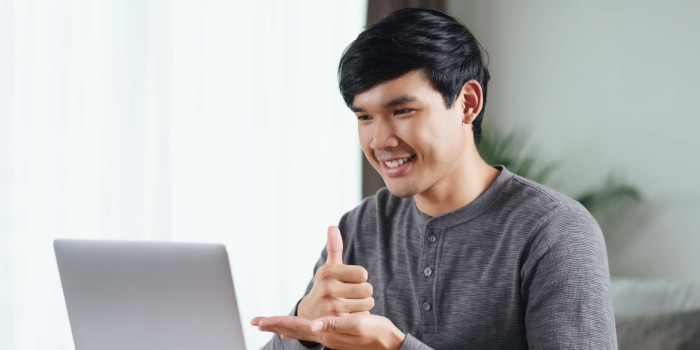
338, 289
354, 331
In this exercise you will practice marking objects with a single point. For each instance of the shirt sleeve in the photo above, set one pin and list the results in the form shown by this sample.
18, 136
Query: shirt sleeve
411, 343
566, 285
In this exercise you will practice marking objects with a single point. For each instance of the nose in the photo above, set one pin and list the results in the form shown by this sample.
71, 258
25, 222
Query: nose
383, 136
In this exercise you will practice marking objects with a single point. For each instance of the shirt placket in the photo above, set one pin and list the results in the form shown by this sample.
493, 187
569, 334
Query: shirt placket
427, 273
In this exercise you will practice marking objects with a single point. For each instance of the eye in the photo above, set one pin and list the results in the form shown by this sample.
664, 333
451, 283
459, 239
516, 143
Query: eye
363, 117
403, 111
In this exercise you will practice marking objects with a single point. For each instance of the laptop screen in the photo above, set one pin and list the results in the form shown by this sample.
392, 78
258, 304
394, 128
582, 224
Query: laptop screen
149, 295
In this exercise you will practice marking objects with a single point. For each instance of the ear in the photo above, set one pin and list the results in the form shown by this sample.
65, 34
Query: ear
472, 101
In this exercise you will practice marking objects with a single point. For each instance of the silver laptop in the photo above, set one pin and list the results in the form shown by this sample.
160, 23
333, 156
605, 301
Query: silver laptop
149, 295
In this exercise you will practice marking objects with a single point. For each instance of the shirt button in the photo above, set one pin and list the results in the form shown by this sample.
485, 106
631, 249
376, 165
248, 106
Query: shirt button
428, 271
427, 306
432, 238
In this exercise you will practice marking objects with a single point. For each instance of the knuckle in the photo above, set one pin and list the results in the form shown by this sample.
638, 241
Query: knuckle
332, 326
370, 303
338, 312
333, 308
325, 273
369, 290
295, 333
293, 330
330, 289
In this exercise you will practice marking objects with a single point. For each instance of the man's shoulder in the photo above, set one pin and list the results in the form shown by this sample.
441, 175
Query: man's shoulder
548, 213
525, 195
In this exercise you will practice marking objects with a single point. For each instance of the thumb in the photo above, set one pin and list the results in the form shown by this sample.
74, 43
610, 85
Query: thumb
343, 324
334, 247
330, 324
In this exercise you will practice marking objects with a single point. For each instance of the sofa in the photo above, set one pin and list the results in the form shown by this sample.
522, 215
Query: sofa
656, 314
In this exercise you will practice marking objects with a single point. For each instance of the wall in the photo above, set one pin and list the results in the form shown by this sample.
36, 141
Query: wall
607, 86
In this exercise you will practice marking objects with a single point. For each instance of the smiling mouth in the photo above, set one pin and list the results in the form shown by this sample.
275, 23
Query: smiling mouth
392, 164
397, 167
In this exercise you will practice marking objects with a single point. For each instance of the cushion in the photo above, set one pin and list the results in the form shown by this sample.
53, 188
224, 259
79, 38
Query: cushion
632, 296
669, 330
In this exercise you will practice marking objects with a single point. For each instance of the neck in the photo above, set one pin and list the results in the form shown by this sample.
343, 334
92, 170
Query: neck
470, 177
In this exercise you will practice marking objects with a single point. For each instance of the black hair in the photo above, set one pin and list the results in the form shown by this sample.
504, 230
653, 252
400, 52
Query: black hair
411, 39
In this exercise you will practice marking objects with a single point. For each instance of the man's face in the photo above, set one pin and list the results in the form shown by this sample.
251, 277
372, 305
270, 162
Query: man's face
408, 135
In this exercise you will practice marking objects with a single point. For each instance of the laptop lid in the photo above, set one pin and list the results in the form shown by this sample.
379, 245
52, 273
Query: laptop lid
149, 295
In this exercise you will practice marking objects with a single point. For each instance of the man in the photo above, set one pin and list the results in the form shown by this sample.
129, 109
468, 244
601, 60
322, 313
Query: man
453, 253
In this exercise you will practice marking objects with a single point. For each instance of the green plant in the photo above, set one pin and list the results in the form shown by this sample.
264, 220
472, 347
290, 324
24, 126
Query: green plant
509, 149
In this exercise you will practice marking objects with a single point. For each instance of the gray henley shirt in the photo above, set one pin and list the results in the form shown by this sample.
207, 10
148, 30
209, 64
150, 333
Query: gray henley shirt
522, 266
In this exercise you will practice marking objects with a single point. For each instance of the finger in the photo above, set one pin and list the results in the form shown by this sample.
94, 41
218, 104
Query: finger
287, 336
308, 336
356, 305
281, 321
334, 247
255, 321
316, 339
354, 290
292, 326
344, 273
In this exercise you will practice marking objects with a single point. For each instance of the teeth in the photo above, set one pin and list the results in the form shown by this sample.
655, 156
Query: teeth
395, 163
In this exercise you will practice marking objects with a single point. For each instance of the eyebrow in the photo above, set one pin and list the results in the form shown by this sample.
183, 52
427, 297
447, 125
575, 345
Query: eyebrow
395, 102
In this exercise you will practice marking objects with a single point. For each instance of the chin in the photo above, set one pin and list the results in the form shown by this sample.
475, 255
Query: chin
401, 190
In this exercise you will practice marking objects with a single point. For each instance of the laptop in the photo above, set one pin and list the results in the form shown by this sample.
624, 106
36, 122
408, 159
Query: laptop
149, 295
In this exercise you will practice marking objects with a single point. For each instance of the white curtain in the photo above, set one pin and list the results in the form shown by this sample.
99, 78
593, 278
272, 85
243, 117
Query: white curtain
201, 121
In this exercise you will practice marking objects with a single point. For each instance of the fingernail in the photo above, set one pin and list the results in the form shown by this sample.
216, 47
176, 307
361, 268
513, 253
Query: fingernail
317, 326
